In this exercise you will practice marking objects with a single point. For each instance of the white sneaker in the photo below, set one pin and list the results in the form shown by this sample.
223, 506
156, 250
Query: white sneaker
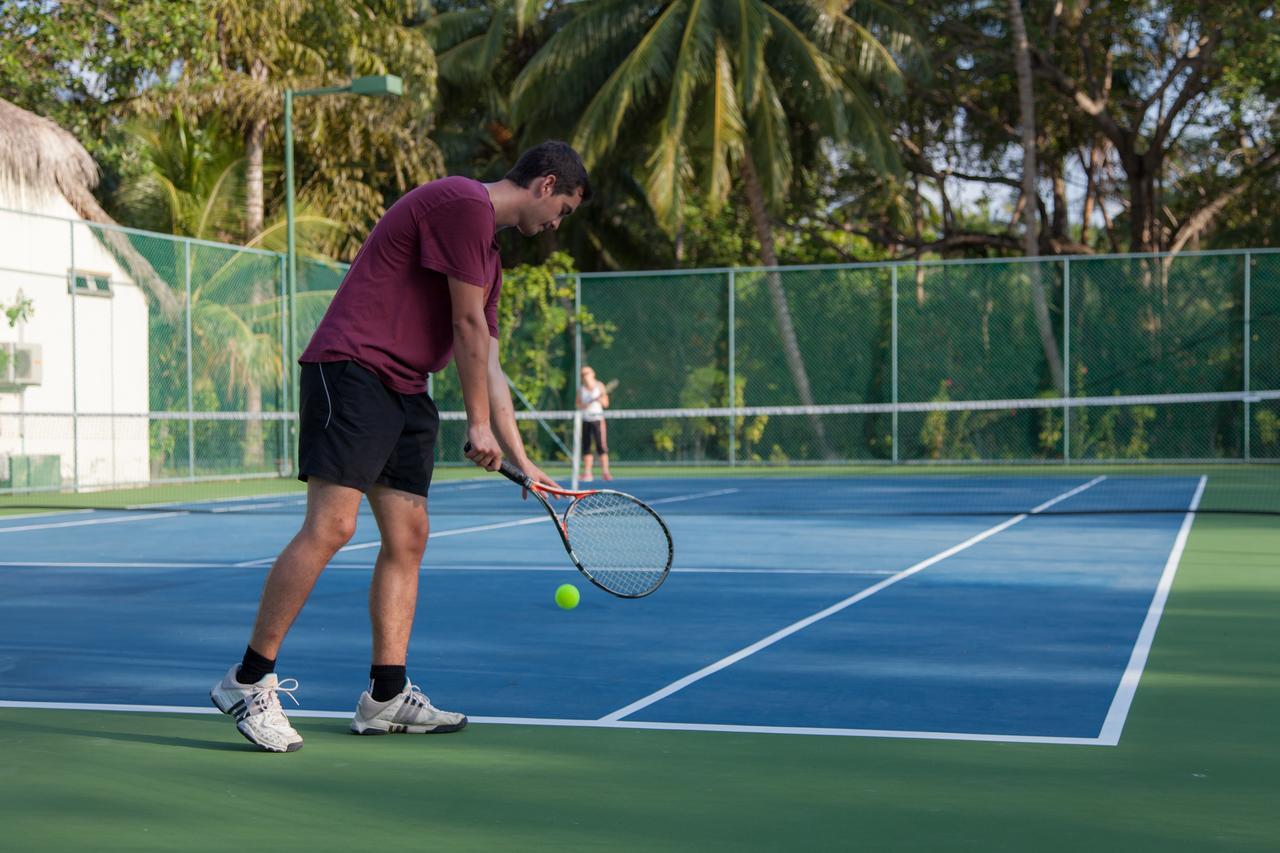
409, 713
257, 710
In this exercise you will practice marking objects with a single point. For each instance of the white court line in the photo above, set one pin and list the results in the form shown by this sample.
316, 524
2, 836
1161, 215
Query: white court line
438, 535
360, 546
28, 564
1113, 725
692, 570
118, 519
724, 662
693, 496
593, 724
234, 499
23, 516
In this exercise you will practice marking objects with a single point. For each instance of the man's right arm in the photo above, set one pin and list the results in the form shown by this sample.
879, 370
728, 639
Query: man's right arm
471, 344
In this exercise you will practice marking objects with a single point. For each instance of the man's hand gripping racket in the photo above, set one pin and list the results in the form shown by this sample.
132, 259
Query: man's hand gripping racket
617, 541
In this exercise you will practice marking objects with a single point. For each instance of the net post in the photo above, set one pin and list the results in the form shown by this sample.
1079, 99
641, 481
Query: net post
893, 356
75, 371
575, 452
1066, 360
191, 422
1248, 333
733, 386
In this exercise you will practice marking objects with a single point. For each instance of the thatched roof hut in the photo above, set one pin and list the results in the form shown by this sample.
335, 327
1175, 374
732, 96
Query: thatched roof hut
39, 159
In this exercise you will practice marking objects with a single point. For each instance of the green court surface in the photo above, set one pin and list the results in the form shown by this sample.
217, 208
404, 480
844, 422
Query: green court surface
1196, 768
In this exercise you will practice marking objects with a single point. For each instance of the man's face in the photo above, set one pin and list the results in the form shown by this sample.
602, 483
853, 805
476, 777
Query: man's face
546, 208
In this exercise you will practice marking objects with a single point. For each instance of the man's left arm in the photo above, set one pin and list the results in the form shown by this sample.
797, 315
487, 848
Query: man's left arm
502, 417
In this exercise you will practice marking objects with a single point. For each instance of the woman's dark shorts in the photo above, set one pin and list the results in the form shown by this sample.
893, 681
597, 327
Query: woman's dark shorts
593, 433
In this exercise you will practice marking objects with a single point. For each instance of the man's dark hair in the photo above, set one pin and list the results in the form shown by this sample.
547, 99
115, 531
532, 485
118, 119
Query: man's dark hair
552, 158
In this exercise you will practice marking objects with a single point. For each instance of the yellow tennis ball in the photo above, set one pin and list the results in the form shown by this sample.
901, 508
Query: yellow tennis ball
567, 596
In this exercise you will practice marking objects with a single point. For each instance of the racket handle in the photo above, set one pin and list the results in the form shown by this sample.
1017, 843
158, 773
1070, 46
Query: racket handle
506, 469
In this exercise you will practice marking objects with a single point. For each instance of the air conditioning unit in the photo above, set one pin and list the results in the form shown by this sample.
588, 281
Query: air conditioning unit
21, 365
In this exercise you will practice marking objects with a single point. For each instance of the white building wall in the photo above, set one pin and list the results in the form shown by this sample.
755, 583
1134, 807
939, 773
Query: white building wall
108, 374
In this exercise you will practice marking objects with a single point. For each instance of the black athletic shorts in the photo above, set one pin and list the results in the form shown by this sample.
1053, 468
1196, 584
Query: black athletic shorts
355, 431
593, 431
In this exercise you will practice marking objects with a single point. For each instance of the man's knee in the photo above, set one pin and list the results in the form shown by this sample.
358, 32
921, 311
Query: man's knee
330, 531
408, 538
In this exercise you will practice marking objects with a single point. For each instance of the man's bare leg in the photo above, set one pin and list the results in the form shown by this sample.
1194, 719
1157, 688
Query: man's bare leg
393, 594
249, 691
330, 523
393, 704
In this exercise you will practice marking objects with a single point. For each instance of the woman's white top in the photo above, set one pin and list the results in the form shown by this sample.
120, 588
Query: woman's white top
592, 408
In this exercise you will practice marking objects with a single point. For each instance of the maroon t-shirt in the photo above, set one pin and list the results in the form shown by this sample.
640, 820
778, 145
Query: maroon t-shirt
393, 313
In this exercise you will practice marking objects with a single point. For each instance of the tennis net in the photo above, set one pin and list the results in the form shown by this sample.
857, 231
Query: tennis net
941, 456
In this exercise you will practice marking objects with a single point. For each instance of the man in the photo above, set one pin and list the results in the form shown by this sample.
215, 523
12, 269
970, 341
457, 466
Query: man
593, 399
423, 288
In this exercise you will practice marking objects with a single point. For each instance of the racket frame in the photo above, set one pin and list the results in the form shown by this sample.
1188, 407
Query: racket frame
521, 479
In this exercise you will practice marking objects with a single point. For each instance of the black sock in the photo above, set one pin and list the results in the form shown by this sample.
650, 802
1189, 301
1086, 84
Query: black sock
388, 681
253, 667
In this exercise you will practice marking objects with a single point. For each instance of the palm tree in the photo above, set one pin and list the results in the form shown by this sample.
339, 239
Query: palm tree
480, 48
746, 90
352, 152
195, 186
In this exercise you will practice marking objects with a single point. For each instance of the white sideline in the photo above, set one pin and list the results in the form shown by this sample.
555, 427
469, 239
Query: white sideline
729, 660
1113, 725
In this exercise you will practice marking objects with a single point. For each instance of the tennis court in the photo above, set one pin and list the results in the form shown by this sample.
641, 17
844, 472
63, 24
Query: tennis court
818, 637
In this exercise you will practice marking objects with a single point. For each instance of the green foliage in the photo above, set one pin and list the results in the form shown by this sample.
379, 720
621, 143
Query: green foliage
692, 87
80, 64
20, 311
1268, 428
697, 439
536, 323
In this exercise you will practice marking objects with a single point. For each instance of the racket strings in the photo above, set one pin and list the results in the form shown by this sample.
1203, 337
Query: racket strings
618, 542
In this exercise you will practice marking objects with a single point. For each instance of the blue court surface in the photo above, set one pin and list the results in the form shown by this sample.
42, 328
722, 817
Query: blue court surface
842, 606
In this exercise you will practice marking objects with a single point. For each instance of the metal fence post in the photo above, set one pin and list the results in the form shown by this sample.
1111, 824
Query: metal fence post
75, 369
285, 398
733, 379
1248, 347
893, 356
191, 421
1066, 360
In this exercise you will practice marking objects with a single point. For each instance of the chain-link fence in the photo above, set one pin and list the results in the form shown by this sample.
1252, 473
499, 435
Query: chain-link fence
837, 347
128, 357
147, 358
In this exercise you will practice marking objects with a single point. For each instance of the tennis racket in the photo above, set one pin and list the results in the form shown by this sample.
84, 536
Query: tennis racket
617, 541
611, 386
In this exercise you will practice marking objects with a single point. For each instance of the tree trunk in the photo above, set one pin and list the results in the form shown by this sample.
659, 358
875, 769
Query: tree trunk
786, 331
1092, 191
1031, 237
254, 217
1060, 229
1142, 207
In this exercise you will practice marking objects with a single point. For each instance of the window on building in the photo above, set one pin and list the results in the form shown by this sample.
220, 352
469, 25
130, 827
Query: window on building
90, 283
